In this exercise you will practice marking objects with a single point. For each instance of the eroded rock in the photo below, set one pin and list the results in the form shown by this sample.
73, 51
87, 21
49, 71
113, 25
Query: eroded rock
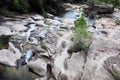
38, 66
6, 31
9, 56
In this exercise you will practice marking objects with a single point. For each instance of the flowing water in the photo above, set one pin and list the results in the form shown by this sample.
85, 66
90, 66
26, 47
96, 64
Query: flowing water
75, 14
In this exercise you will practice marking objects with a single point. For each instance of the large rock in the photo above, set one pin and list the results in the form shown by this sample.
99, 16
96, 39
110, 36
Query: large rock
99, 52
18, 27
69, 7
6, 31
68, 21
9, 56
92, 11
112, 65
38, 66
69, 69
50, 15
52, 22
41, 23
37, 17
104, 23
116, 13
102, 61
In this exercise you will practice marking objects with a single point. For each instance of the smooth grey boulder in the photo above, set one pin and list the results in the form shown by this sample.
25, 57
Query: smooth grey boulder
38, 66
37, 17
6, 31
9, 56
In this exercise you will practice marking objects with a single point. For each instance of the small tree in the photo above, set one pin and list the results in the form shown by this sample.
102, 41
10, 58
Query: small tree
81, 37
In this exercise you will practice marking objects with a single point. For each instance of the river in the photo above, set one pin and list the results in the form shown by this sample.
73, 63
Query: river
75, 14
11, 73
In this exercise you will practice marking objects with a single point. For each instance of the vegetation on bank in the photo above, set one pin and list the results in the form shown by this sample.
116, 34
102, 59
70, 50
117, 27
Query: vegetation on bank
40, 6
43, 6
117, 22
115, 3
24, 6
81, 37
4, 42
116, 75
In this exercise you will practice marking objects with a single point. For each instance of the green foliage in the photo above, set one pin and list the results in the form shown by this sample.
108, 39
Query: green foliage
80, 23
37, 5
18, 5
2, 3
8, 13
74, 1
117, 22
114, 2
24, 6
15, 4
94, 2
81, 37
116, 75
4, 42
43, 46
40, 6
70, 1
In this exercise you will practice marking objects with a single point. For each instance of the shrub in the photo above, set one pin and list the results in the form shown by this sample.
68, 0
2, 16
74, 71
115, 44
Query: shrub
18, 5
94, 2
116, 75
114, 2
24, 6
4, 42
43, 46
81, 37
37, 5
117, 22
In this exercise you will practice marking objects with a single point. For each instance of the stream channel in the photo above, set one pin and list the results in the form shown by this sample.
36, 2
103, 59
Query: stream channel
11, 73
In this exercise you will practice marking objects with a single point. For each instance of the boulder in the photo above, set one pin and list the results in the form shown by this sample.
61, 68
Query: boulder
19, 27
116, 14
92, 11
104, 23
52, 22
112, 65
50, 15
1, 20
69, 68
9, 56
40, 52
41, 23
6, 31
38, 66
69, 7
100, 51
37, 17
68, 21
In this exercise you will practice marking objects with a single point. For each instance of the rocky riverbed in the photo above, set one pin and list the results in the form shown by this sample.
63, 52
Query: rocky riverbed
46, 41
